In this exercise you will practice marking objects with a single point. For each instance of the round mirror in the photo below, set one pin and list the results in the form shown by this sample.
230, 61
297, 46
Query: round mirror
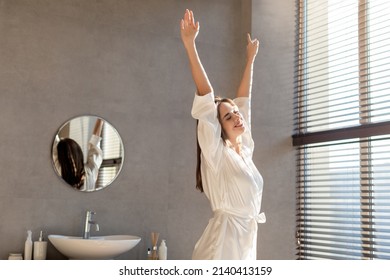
87, 153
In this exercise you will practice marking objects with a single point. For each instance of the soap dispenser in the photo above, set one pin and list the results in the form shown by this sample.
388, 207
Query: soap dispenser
28, 246
40, 248
162, 250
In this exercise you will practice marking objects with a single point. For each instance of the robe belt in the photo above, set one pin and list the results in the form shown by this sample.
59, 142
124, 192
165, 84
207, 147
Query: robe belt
260, 218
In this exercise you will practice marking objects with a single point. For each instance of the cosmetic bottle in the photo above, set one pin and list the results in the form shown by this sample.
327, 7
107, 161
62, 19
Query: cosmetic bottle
28, 246
149, 254
15, 256
162, 250
40, 248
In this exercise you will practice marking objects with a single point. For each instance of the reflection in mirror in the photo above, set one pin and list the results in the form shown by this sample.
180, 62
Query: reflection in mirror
87, 153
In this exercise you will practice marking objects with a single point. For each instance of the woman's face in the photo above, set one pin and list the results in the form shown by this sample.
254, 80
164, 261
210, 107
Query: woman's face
231, 121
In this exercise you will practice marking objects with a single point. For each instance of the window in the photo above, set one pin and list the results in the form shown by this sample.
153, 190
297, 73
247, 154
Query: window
342, 129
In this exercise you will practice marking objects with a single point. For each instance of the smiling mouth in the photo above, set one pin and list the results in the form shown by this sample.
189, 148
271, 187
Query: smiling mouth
239, 124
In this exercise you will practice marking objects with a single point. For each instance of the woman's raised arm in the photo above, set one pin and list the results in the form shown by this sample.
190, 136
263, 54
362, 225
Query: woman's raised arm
189, 31
97, 130
245, 87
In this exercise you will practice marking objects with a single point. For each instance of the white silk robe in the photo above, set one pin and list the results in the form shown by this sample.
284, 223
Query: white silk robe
232, 184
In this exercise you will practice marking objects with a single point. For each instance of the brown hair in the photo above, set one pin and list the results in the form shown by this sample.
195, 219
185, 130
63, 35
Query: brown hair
70, 157
218, 100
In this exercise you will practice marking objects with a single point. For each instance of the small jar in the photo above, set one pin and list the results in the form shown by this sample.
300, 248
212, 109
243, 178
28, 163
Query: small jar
15, 256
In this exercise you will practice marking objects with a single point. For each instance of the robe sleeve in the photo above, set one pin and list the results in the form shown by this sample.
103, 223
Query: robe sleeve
94, 161
209, 129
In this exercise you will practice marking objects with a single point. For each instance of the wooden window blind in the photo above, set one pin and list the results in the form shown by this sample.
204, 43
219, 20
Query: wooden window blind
342, 129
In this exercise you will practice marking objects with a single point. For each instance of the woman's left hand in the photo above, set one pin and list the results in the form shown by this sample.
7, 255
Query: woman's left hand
252, 47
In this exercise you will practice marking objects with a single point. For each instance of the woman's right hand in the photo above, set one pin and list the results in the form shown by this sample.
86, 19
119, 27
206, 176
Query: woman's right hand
188, 28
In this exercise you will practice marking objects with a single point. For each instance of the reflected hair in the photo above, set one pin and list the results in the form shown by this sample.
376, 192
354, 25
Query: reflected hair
218, 100
70, 157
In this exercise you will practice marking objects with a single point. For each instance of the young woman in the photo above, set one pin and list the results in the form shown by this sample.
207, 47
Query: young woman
225, 171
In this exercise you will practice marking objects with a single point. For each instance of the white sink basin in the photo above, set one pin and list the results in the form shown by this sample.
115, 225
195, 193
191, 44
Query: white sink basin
95, 248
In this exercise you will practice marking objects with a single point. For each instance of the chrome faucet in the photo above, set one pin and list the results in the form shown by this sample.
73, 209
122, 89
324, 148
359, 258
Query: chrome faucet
88, 223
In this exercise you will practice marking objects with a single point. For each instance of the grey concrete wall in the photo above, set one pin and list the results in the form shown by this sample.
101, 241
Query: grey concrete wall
274, 22
123, 60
